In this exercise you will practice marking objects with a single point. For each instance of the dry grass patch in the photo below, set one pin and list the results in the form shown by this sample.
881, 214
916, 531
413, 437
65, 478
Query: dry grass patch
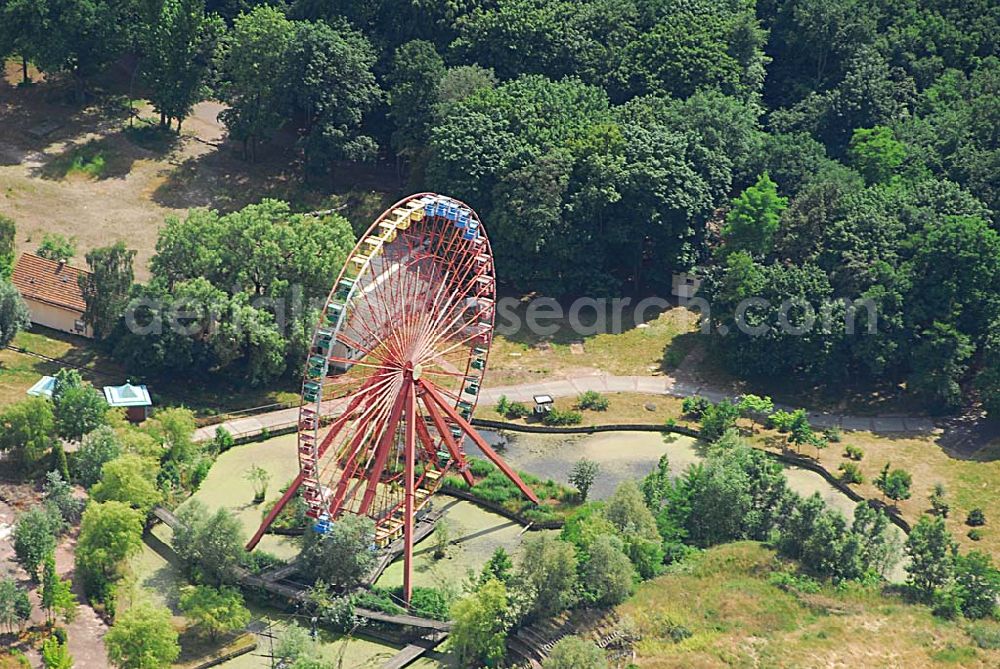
623, 408
722, 610
970, 483
654, 348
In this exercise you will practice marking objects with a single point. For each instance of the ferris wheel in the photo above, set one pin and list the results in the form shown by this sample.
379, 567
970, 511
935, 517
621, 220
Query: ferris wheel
394, 372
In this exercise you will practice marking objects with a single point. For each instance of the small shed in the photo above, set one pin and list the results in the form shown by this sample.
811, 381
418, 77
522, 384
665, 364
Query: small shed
43, 387
543, 403
685, 285
135, 399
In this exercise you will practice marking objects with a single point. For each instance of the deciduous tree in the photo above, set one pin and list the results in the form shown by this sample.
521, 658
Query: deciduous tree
343, 555
875, 153
79, 410
15, 605
753, 219
110, 532
34, 538
582, 476
932, 553
56, 597
28, 431
178, 42
978, 584
143, 637
330, 81
106, 288
607, 577
57, 247
572, 652
8, 232
548, 570
211, 544
479, 625
97, 447
215, 611
254, 70
417, 71
14, 315
130, 479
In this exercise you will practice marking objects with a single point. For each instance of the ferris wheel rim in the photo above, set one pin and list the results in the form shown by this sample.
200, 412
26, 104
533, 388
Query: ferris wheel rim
311, 412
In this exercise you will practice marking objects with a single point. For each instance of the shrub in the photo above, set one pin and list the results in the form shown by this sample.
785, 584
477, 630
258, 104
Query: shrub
558, 417
592, 400
517, 410
986, 635
378, 599
511, 410
223, 440
833, 435
717, 418
850, 473
976, 518
694, 406
429, 603
853, 452
975, 534
258, 561
480, 467
794, 582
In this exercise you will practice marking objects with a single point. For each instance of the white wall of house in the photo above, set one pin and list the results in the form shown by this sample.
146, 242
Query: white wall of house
58, 318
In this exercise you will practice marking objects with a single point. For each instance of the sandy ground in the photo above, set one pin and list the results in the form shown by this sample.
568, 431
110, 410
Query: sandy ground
145, 179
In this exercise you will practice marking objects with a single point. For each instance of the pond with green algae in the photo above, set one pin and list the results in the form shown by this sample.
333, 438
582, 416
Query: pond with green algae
475, 535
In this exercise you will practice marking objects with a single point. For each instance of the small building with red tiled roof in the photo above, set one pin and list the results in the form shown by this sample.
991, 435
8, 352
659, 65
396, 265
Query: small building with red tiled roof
52, 292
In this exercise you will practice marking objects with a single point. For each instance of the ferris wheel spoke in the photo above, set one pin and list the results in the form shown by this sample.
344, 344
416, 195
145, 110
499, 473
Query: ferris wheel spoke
357, 458
382, 451
372, 415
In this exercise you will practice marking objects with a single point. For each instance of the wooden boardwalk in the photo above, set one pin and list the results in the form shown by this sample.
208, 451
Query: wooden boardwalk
166, 517
414, 650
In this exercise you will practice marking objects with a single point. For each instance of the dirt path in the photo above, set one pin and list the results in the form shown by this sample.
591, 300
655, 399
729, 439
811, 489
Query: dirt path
246, 426
86, 632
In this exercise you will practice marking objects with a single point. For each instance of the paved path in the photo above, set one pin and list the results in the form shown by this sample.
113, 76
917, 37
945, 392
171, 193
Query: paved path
247, 426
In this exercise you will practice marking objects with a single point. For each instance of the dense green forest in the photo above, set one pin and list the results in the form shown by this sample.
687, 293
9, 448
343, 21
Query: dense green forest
802, 149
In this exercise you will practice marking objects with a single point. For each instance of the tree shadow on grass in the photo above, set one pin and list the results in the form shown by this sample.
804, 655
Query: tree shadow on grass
971, 437
97, 159
82, 353
678, 349
220, 179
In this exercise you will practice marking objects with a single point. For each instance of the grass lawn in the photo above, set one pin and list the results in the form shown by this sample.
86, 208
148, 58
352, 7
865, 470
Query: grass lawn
526, 356
19, 371
970, 483
622, 408
736, 617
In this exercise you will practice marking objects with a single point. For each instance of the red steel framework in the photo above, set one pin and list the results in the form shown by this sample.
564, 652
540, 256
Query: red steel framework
394, 372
